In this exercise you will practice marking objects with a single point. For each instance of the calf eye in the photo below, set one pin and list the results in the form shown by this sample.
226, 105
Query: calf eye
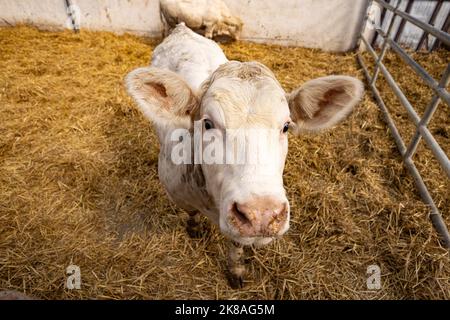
208, 124
286, 127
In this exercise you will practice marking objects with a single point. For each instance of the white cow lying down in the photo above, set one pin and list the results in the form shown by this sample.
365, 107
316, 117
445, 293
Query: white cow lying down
210, 18
192, 87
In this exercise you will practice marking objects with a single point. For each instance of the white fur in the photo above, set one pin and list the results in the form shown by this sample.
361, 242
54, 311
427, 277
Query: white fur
210, 18
188, 54
345, 92
233, 95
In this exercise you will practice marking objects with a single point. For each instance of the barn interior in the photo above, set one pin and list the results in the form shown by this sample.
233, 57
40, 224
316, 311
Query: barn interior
79, 184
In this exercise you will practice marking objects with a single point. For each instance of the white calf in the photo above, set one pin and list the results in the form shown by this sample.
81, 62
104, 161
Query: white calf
192, 88
210, 18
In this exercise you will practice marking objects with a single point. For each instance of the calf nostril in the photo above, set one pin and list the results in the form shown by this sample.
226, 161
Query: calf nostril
241, 215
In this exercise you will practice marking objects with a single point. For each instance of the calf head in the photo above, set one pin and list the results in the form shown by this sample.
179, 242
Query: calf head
243, 109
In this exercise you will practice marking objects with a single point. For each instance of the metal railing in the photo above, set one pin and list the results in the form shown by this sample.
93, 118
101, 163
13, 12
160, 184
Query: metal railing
434, 18
420, 123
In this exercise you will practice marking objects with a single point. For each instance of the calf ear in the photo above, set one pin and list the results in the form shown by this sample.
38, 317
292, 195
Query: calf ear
323, 102
162, 96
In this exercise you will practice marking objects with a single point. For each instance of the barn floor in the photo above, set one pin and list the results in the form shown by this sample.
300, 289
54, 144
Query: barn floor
78, 185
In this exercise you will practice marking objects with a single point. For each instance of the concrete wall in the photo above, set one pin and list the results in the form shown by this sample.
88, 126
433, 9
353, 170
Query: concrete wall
326, 24
135, 16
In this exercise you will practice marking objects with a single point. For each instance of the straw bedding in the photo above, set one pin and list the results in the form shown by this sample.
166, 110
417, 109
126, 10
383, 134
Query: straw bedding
79, 185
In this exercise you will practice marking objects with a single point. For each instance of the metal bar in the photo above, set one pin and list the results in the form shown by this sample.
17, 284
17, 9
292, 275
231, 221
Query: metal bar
394, 86
435, 215
384, 46
436, 149
431, 21
382, 16
363, 23
390, 123
440, 227
429, 111
425, 133
433, 84
443, 36
403, 22
445, 28
421, 129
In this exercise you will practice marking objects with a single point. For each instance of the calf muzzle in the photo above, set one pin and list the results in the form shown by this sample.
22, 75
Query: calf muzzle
261, 216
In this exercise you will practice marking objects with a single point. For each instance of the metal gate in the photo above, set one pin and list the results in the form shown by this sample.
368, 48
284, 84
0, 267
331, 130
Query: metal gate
421, 123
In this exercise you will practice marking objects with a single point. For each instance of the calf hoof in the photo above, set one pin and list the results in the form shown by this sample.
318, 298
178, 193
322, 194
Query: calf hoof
194, 233
235, 281
196, 229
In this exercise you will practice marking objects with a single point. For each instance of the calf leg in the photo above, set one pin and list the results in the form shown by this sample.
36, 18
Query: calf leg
193, 226
236, 268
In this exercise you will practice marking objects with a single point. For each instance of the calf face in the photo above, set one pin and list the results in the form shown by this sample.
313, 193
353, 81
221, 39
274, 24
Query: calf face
240, 103
244, 105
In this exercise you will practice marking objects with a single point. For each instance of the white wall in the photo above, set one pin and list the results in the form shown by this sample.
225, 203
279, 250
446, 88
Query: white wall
326, 24
136, 16
42, 13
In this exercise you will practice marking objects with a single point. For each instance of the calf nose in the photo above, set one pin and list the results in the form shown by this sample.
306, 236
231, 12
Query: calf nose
261, 216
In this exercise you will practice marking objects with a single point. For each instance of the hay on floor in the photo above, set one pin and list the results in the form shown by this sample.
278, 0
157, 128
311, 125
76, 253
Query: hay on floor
79, 185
